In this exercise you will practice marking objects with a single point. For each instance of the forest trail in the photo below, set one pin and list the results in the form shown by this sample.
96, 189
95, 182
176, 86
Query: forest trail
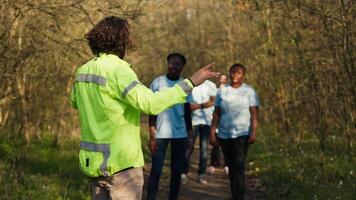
217, 187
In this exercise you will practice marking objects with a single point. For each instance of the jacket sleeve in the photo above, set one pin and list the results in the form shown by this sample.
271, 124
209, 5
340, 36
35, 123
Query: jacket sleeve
139, 96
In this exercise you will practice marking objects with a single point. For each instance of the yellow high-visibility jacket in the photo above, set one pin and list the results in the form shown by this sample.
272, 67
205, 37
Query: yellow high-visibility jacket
109, 99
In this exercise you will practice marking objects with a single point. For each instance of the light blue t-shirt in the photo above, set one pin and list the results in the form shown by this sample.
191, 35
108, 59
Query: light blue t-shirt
235, 106
202, 94
170, 123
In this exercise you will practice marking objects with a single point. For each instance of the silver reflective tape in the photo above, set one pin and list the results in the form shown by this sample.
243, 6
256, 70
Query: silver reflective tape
95, 147
129, 87
92, 78
103, 148
184, 85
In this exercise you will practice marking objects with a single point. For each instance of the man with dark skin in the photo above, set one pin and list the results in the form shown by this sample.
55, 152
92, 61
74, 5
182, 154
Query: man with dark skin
171, 127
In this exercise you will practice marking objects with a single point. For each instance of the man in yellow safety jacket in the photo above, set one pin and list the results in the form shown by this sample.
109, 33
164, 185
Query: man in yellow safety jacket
109, 99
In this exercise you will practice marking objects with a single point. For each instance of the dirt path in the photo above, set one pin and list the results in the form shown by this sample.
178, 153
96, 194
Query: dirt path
217, 188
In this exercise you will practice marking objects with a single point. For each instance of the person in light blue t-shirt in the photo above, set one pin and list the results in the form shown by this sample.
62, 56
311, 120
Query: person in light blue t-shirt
168, 127
235, 115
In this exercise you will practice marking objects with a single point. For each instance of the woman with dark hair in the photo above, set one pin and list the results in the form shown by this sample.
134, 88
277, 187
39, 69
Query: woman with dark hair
235, 115
109, 99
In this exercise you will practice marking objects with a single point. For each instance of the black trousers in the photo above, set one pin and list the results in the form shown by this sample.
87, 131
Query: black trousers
215, 157
235, 152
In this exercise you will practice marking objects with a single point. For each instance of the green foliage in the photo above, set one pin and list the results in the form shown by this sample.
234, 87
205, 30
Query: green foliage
41, 45
287, 170
299, 56
41, 171
301, 170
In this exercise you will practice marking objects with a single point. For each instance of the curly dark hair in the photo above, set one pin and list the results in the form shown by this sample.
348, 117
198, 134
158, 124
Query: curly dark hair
110, 35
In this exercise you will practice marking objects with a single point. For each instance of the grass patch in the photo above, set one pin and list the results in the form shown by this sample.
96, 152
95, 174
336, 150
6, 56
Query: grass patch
287, 170
44, 171
41, 170
302, 170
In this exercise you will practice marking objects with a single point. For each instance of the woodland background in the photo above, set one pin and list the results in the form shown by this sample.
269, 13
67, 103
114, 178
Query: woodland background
299, 54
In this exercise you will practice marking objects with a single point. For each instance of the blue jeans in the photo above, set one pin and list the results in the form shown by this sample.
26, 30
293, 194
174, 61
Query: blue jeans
203, 131
178, 149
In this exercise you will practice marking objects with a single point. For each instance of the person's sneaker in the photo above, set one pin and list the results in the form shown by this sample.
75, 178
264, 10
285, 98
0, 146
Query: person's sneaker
201, 179
226, 169
184, 178
210, 170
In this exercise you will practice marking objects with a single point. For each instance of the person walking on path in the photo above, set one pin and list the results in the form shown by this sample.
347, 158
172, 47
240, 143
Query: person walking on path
171, 127
215, 155
235, 115
109, 99
203, 98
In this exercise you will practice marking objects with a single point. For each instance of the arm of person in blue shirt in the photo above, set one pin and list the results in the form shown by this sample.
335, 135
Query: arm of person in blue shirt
254, 124
188, 123
207, 104
214, 126
188, 117
152, 129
